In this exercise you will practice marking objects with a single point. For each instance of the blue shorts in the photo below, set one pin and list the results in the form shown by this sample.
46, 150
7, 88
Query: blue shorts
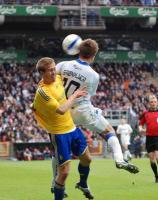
66, 144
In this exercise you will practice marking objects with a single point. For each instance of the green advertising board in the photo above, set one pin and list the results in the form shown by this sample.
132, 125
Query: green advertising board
102, 56
11, 56
30, 10
122, 11
126, 56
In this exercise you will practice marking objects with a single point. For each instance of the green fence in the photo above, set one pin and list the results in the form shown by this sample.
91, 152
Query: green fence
30, 10
111, 56
123, 56
9, 56
136, 12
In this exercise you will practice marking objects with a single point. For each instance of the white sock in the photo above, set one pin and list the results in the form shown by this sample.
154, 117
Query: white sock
127, 155
54, 169
114, 144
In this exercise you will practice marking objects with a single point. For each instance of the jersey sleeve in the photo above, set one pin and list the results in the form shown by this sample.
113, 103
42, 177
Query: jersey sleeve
92, 88
49, 101
142, 119
59, 67
118, 130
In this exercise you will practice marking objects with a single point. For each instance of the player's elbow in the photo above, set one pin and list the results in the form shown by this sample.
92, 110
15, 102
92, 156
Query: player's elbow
60, 111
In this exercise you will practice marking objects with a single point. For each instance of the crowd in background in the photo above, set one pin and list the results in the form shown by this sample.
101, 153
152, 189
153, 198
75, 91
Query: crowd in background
77, 2
122, 85
34, 153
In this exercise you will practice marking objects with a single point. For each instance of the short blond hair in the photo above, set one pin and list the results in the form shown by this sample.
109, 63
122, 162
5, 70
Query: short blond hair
43, 63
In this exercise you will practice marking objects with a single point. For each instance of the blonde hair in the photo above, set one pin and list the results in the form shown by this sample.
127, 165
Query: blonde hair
43, 63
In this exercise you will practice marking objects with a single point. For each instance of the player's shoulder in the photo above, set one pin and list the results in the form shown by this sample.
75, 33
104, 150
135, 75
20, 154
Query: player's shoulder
145, 112
128, 125
119, 126
43, 91
94, 72
59, 79
62, 65
65, 62
142, 115
95, 75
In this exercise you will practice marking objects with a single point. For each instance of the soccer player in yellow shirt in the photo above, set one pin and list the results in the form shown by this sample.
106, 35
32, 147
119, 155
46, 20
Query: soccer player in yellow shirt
51, 111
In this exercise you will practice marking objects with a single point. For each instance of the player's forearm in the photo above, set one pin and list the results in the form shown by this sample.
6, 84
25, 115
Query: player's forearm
66, 106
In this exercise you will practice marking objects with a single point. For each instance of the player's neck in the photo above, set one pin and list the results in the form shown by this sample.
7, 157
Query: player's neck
87, 60
48, 81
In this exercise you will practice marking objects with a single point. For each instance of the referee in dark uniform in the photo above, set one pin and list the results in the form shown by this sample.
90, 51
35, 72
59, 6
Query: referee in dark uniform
150, 119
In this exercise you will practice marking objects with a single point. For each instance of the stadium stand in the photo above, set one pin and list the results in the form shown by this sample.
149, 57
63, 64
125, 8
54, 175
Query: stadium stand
18, 83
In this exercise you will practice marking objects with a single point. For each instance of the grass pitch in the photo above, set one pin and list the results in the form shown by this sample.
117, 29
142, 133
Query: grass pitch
23, 180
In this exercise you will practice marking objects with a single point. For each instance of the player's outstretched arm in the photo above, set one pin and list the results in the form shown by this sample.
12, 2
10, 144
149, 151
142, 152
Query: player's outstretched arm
68, 104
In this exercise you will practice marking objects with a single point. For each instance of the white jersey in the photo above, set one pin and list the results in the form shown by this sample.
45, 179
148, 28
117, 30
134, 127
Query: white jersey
78, 74
124, 129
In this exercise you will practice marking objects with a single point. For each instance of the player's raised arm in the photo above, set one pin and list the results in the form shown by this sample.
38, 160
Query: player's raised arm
68, 104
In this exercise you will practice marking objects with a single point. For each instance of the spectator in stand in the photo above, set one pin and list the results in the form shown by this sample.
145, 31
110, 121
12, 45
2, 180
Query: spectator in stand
18, 139
27, 154
37, 154
148, 2
47, 153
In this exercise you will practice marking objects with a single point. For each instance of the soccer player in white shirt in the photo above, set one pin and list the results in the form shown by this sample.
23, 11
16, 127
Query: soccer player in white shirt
78, 74
125, 130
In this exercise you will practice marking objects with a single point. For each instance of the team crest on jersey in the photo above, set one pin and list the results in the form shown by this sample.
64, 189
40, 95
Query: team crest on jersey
77, 67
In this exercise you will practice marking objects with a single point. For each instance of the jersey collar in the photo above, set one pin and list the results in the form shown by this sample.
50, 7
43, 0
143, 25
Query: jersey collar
82, 62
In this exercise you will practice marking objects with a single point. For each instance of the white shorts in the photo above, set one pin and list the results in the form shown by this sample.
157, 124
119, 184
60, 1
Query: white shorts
125, 139
89, 117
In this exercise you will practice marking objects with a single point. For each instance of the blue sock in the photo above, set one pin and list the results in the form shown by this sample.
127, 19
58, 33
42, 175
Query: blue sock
108, 135
84, 172
59, 191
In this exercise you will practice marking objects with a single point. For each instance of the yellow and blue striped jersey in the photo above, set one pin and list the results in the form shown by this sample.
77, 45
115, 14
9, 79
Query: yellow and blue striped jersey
47, 99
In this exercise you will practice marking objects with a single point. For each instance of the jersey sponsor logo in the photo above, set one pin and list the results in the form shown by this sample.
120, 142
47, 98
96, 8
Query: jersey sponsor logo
74, 75
43, 94
32, 10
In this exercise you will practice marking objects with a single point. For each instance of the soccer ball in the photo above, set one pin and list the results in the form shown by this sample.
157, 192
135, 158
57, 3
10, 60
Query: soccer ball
71, 44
